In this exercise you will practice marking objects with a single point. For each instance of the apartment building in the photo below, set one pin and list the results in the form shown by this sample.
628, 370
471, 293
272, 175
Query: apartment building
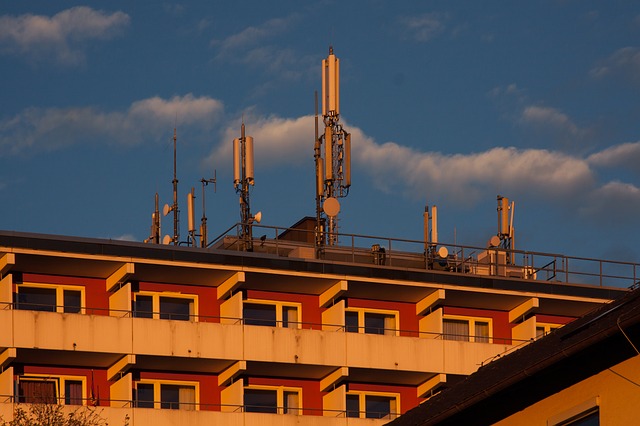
353, 334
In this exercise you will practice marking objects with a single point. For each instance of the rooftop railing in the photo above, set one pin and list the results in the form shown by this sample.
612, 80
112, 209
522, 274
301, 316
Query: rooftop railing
414, 254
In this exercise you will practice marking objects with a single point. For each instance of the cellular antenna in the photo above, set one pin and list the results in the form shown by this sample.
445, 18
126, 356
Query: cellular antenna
333, 171
155, 225
174, 208
243, 178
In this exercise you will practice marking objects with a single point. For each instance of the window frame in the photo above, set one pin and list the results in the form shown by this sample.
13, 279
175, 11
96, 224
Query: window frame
60, 289
60, 388
471, 320
157, 391
362, 403
362, 312
547, 327
280, 392
279, 307
155, 303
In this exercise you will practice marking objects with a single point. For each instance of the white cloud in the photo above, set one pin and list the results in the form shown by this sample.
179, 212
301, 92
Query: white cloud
39, 129
253, 35
625, 155
277, 141
624, 62
60, 35
613, 203
423, 27
549, 117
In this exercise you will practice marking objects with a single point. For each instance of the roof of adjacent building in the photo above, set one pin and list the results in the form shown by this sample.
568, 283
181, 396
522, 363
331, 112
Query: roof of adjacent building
583, 348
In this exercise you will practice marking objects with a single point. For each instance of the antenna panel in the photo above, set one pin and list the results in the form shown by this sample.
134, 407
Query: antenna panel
331, 207
236, 161
504, 216
328, 153
249, 159
191, 212
166, 240
347, 161
320, 177
166, 209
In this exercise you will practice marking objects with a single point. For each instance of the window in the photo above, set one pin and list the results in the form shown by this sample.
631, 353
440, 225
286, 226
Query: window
369, 321
586, 413
166, 395
36, 389
271, 313
49, 298
467, 329
165, 306
542, 329
274, 400
372, 405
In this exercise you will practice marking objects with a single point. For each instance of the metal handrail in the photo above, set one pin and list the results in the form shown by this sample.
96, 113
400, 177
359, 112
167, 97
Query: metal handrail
417, 254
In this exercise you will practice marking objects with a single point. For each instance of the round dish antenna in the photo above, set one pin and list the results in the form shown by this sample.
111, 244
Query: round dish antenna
331, 207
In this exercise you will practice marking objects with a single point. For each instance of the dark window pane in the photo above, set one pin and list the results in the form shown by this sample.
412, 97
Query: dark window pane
591, 419
37, 391
258, 314
72, 301
353, 406
175, 308
170, 397
73, 392
374, 323
144, 395
37, 299
143, 307
378, 407
260, 401
351, 321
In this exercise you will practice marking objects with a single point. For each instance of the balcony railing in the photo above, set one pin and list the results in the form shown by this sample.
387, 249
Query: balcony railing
415, 254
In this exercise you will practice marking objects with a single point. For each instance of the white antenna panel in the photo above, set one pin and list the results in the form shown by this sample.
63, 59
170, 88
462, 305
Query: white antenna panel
191, 212
166, 209
320, 176
331, 207
236, 161
504, 216
434, 224
328, 153
347, 160
331, 84
249, 159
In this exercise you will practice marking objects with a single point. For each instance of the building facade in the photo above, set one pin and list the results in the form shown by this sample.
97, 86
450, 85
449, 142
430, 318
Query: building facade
285, 334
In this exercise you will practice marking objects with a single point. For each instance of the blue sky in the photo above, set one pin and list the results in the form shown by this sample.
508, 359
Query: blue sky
450, 103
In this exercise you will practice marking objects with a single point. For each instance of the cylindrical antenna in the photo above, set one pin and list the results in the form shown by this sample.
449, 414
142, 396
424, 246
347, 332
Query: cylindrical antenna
347, 160
191, 211
434, 224
249, 159
176, 218
328, 154
237, 158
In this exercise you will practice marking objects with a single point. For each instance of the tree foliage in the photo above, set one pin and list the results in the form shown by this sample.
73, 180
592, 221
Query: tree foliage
56, 415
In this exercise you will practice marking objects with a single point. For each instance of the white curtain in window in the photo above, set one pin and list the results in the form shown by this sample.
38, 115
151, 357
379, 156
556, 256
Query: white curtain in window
482, 332
187, 397
456, 329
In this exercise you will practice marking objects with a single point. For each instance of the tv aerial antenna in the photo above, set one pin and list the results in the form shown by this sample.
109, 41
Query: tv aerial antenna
332, 154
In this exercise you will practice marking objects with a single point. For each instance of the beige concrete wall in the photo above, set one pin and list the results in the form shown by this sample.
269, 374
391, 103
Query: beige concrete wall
616, 389
187, 339
50, 330
158, 417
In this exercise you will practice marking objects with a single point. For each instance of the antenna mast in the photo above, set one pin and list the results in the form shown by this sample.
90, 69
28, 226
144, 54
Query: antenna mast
174, 208
243, 177
203, 222
333, 172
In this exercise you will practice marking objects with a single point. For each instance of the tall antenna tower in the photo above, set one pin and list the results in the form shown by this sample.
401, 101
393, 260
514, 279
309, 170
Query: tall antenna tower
333, 170
174, 207
243, 177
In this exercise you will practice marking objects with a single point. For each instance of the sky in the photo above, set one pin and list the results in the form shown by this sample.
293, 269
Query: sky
448, 103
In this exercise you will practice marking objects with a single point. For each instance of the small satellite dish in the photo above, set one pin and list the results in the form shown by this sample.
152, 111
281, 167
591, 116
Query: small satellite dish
494, 241
331, 207
166, 240
257, 217
443, 252
166, 209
